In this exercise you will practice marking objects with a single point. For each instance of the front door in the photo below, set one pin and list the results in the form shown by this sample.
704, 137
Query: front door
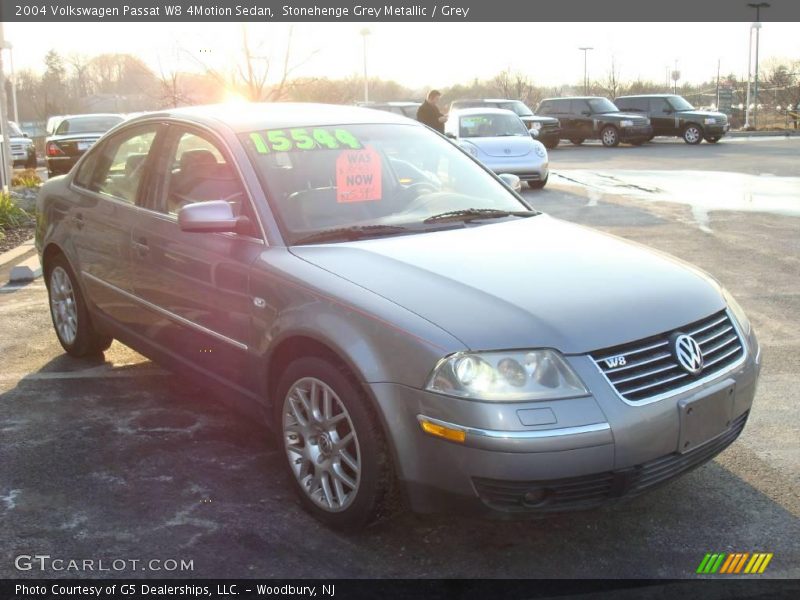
196, 285
662, 117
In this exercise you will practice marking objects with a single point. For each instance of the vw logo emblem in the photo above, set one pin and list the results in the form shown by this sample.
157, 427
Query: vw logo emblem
688, 353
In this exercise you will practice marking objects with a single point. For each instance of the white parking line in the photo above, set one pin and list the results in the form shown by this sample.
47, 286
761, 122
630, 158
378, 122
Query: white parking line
100, 372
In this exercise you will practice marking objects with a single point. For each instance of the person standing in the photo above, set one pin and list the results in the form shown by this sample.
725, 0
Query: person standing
429, 114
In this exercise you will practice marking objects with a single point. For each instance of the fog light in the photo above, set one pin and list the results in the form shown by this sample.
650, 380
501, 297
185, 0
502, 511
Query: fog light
535, 497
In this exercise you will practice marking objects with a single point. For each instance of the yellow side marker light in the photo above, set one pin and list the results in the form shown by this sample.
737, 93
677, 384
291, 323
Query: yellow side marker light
454, 435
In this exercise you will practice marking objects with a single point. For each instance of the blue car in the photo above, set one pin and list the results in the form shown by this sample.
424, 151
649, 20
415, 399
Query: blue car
500, 140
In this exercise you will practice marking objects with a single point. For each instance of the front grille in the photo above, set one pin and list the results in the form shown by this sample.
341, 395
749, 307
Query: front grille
647, 368
549, 126
17, 148
588, 491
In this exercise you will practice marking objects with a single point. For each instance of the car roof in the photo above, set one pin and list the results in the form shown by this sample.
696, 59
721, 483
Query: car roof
486, 100
255, 116
646, 96
576, 98
481, 110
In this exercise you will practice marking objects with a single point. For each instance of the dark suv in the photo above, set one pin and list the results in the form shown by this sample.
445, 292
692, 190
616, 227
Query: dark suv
674, 116
593, 117
547, 129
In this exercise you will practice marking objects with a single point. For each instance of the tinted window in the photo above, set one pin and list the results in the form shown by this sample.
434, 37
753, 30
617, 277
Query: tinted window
680, 103
87, 124
117, 168
658, 106
633, 104
552, 107
516, 106
199, 172
602, 105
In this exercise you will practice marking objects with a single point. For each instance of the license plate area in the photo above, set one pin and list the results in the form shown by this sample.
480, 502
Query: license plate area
705, 417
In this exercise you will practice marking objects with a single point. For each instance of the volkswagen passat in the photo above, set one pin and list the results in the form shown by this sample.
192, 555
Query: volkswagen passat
501, 141
402, 319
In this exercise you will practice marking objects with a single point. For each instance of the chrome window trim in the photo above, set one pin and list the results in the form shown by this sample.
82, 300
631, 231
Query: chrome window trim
168, 314
693, 384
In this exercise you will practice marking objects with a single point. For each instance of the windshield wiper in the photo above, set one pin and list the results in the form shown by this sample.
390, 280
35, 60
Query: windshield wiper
470, 214
354, 232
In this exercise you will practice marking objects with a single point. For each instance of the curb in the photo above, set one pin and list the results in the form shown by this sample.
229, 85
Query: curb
787, 133
15, 253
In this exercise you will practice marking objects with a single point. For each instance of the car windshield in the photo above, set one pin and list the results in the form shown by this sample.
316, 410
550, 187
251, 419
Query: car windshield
14, 130
679, 103
380, 179
517, 107
89, 124
602, 105
490, 125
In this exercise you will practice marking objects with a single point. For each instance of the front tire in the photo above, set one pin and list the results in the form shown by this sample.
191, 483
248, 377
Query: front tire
609, 136
550, 144
71, 320
337, 457
692, 134
537, 185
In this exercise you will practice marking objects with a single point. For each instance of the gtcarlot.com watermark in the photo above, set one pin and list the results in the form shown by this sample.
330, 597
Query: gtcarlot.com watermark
47, 563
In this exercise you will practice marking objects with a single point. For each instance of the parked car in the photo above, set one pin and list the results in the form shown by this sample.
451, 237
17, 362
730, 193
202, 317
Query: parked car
547, 129
406, 109
72, 136
592, 117
399, 326
499, 139
674, 116
23, 152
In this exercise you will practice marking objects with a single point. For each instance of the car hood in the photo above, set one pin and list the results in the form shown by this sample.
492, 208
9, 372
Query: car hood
535, 282
702, 114
537, 119
509, 145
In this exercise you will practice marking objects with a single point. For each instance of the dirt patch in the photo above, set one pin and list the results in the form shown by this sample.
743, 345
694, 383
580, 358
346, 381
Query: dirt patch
13, 237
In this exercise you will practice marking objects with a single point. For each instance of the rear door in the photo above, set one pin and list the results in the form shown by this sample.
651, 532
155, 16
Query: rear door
108, 184
662, 117
582, 123
196, 285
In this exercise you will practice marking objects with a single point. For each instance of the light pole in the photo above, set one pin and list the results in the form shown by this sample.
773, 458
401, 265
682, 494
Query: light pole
585, 50
364, 33
757, 25
5, 150
10, 47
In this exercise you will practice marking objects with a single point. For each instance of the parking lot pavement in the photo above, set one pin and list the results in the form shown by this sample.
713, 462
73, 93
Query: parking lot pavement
118, 459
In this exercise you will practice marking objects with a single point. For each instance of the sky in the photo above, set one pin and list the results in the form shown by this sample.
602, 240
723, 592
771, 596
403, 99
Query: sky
422, 55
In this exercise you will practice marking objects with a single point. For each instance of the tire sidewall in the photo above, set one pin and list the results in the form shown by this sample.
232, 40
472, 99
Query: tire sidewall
372, 484
699, 134
603, 136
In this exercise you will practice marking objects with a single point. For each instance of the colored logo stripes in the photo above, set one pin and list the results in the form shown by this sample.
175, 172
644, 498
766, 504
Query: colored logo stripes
734, 563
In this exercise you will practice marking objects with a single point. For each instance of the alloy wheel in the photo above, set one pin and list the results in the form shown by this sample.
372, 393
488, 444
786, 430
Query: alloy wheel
63, 305
321, 444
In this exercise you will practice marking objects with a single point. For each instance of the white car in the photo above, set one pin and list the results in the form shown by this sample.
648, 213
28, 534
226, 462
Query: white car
500, 140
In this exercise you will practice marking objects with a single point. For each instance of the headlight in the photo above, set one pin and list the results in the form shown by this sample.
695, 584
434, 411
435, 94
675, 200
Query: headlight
738, 312
626, 123
540, 151
506, 376
709, 120
536, 126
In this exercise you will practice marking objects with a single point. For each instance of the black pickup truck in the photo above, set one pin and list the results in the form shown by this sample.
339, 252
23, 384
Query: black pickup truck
593, 117
674, 116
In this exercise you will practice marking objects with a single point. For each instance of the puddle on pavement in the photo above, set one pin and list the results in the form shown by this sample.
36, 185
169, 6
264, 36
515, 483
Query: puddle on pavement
703, 191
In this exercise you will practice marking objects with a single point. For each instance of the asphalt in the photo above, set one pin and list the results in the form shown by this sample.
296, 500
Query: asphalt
119, 459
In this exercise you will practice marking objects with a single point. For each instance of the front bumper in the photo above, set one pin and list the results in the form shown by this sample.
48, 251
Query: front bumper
716, 130
633, 134
573, 454
526, 172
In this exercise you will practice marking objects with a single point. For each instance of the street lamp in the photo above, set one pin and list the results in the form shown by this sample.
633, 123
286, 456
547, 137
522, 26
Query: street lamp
585, 50
364, 33
10, 47
757, 26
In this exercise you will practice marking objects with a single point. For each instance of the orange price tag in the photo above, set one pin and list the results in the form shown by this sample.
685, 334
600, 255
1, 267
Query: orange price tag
358, 175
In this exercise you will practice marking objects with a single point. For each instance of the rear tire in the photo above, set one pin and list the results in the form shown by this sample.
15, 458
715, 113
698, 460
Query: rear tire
71, 319
337, 457
692, 134
577, 141
550, 144
609, 136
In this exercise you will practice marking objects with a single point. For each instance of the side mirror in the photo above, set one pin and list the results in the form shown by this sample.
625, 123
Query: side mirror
511, 181
450, 135
213, 216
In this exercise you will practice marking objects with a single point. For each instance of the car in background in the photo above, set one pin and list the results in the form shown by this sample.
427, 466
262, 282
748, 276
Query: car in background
499, 140
393, 313
673, 115
403, 108
72, 136
23, 151
596, 118
547, 129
